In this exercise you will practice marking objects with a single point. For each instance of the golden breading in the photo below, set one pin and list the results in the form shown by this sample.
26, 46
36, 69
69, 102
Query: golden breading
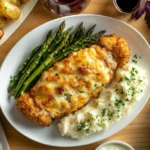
70, 84
27, 106
118, 46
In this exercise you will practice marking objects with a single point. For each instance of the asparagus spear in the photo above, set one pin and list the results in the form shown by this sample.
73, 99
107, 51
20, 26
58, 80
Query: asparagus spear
62, 43
56, 40
47, 43
14, 80
51, 61
34, 63
61, 29
74, 35
26, 64
90, 31
48, 40
33, 53
80, 34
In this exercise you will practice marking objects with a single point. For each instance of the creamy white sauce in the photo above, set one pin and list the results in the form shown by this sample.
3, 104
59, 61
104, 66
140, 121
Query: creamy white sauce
114, 102
113, 147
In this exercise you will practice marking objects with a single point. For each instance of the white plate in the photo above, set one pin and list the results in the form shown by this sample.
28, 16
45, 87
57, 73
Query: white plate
51, 135
12, 26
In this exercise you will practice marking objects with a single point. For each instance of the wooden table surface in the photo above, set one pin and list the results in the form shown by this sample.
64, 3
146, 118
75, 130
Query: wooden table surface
136, 133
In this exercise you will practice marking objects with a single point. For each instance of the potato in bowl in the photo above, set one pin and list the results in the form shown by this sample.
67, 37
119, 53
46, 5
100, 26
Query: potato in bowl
9, 10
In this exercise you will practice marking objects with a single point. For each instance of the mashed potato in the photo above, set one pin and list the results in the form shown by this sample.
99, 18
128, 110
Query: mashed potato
114, 102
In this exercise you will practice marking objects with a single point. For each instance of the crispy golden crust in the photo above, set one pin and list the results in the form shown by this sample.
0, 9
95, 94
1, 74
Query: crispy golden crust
118, 46
28, 108
74, 81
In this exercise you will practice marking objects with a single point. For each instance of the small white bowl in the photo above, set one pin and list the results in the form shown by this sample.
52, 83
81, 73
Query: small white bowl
115, 142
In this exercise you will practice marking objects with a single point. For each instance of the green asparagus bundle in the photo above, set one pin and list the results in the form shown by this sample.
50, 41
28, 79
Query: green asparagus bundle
55, 48
14, 80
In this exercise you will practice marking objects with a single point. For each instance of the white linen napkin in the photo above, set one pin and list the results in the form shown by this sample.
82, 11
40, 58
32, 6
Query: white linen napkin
3, 141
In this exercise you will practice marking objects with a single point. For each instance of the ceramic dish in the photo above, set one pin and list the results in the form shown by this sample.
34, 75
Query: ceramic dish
120, 143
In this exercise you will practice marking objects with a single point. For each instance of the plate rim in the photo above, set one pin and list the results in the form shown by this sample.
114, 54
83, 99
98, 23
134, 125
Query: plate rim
81, 15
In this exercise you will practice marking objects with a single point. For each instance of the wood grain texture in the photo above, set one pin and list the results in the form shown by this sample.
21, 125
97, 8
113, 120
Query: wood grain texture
136, 133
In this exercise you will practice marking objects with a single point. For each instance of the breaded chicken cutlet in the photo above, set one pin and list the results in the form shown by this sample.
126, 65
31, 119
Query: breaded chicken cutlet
73, 82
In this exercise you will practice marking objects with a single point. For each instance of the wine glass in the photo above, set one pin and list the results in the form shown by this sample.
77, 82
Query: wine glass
67, 7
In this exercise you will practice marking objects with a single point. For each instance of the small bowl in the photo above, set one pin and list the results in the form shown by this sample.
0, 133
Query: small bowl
117, 143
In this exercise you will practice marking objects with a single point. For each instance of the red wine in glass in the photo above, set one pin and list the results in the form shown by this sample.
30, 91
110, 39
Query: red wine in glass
67, 7
127, 6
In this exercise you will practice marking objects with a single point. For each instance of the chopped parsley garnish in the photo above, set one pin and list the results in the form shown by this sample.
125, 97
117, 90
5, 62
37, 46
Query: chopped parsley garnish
110, 114
122, 92
56, 74
118, 103
96, 116
126, 78
132, 79
134, 61
80, 91
127, 99
140, 81
120, 80
133, 93
133, 72
67, 97
103, 112
87, 131
84, 125
95, 85
98, 124
136, 71
80, 126
135, 56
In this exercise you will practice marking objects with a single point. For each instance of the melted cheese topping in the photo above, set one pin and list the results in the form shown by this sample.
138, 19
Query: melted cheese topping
71, 83
113, 103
